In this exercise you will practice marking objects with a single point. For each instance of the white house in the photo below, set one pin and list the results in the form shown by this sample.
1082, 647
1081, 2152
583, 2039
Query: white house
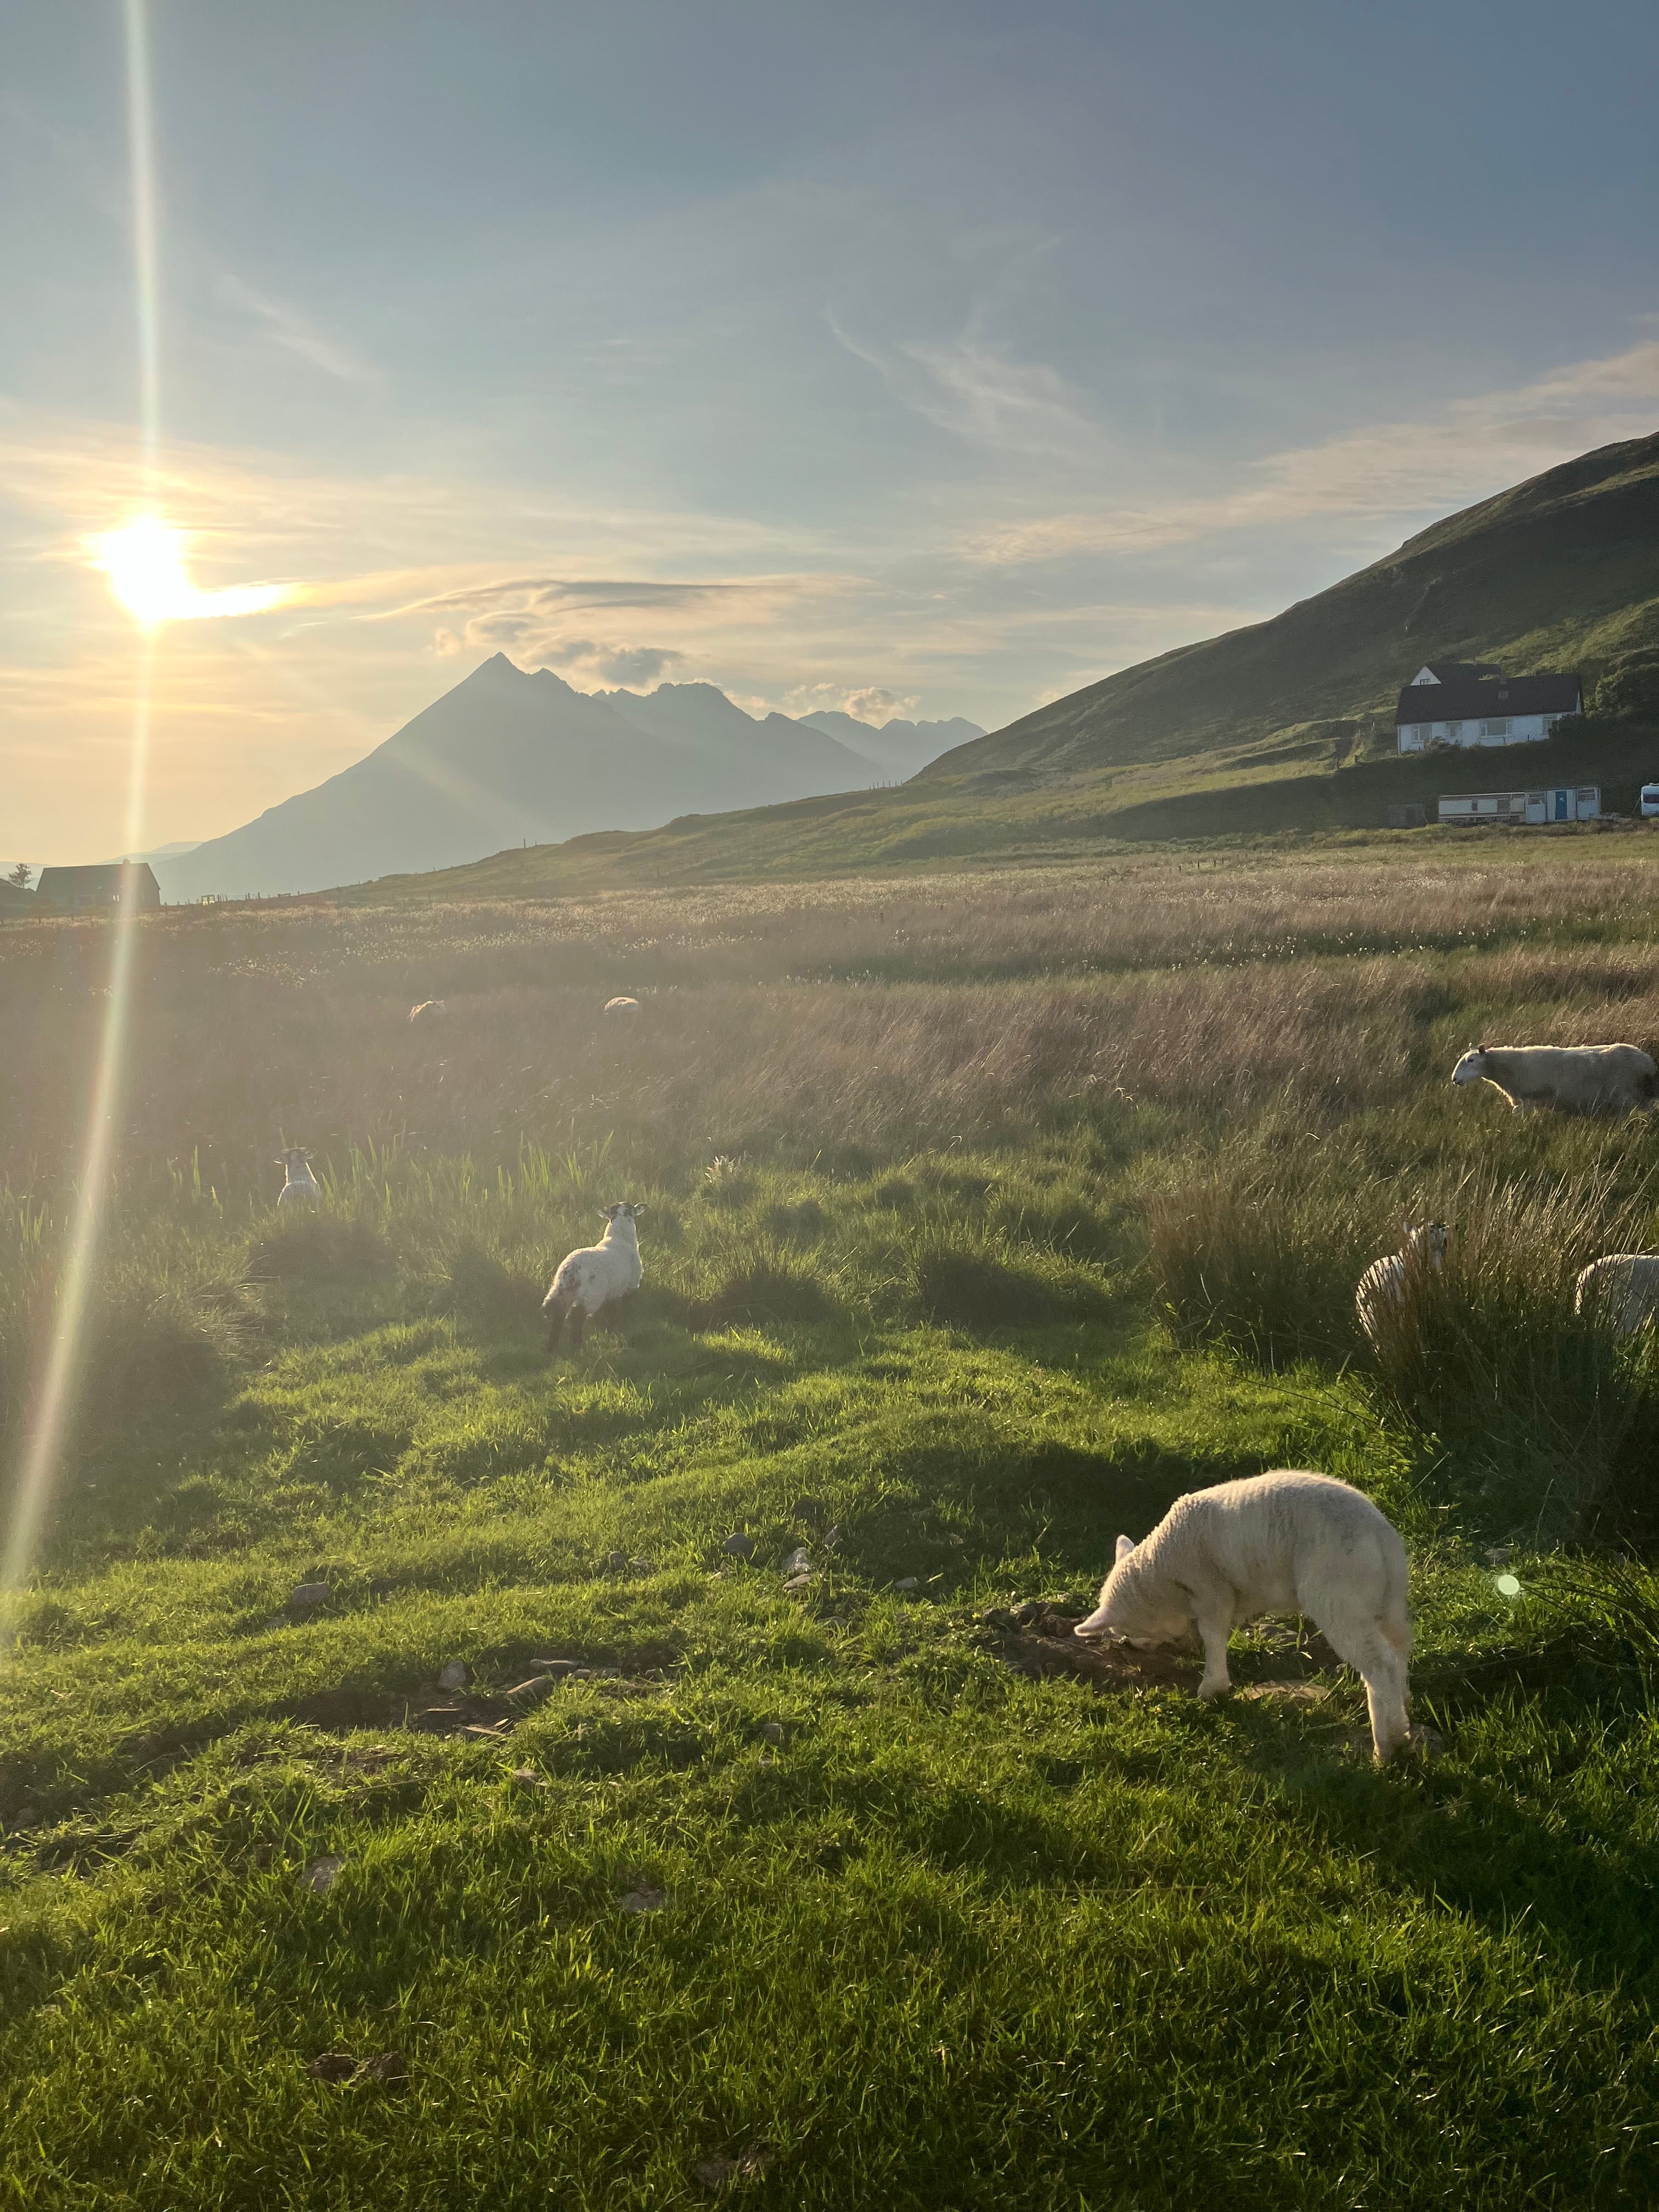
1458, 702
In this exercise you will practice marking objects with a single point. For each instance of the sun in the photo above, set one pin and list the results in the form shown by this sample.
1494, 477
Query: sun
145, 564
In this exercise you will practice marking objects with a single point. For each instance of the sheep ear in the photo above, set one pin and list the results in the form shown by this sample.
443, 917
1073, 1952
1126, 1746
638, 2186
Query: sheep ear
639, 1210
1124, 1545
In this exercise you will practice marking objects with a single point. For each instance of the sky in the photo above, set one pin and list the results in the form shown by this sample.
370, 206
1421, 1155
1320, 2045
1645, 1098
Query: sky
911, 358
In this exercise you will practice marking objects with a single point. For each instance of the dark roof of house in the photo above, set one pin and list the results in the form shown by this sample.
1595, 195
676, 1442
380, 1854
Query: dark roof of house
1473, 698
107, 876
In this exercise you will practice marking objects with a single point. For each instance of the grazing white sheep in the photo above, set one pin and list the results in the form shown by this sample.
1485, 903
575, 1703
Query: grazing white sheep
428, 1010
621, 1005
1387, 1283
1623, 1286
1284, 1542
594, 1277
301, 1184
1576, 1078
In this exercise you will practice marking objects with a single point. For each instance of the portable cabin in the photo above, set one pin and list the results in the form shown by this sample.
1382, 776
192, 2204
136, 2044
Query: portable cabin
1565, 802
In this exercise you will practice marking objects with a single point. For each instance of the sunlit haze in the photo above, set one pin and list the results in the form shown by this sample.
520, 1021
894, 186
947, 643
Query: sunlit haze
928, 360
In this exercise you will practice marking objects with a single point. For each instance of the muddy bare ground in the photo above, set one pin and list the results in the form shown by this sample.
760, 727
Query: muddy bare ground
1277, 1659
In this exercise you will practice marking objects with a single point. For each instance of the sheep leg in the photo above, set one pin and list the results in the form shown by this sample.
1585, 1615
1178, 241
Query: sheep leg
556, 1317
1213, 1632
1372, 1653
578, 1326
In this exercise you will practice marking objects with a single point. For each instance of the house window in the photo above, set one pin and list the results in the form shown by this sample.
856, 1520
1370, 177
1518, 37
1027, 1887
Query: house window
1500, 728
1454, 729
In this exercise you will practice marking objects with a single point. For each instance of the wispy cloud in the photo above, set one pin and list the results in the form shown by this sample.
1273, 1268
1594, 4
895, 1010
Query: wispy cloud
1386, 471
292, 329
968, 387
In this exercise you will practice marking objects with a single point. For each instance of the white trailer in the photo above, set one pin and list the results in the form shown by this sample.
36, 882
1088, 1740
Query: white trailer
1569, 802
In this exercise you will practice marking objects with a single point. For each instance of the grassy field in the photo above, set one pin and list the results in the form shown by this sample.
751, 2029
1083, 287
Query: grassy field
987, 1215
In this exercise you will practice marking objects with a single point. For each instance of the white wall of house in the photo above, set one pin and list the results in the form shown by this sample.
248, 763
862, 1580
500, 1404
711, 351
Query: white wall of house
1505, 730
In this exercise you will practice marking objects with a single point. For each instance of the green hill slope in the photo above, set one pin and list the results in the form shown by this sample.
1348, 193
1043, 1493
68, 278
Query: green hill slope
1286, 724
1561, 572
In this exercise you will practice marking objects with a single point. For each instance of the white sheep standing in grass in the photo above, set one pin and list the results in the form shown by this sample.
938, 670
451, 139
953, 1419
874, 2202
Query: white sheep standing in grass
1623, 1287
1384, 1288
1575, 1079
1287, 1542
594, 1277
301, 1184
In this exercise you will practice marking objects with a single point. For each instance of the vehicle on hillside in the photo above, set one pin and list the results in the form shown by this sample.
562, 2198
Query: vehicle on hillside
1650, 806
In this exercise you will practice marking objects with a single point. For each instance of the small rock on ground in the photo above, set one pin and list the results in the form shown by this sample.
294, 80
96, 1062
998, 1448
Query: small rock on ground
723, 2172
615, 1561
906, 1582
454, 1676
739, 1546
798, 1562
645, 1899
332, 2066
309, 1594
527, 1778
773, 1731
320, 1876
391, 2067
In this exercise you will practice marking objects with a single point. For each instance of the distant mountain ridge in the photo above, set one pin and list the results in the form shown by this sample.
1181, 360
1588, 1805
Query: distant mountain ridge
510, 756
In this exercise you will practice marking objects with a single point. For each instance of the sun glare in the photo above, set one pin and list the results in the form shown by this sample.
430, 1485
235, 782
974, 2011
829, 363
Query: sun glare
145, 565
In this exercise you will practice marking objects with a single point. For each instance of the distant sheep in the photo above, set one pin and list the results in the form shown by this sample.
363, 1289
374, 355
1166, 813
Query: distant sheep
621, 1005
1622, 1287
429, 1009
1387, 1283
300, 1183
1284, 1542
1575, 1079
594, 1277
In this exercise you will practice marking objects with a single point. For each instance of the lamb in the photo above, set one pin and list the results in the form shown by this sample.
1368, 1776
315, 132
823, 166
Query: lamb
1623, 1285
593, 1276
428, 1010
1577, 1078
301, 1184
1289, 1541
1386, 1285
621, 1005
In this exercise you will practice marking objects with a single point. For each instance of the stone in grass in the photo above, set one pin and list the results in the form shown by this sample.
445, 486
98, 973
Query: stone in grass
332, 2066
454, 1676
805, 1580
799, 1562
615, 1561
320, 1876
905, 1583
773, 1731
390, 2067
308, 1594
526, 1778
725, 2172
739, 1546
809, 1510
644, 1898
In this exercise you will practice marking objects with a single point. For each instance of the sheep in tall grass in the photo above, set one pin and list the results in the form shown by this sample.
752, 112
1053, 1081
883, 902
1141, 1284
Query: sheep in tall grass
1623, 1287
429, 1010
1289, 1541
1388, 1284
1574, 1078
300, 1183
594, 1277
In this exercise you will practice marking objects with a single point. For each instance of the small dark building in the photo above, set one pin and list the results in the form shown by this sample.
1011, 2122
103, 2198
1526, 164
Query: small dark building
121, 883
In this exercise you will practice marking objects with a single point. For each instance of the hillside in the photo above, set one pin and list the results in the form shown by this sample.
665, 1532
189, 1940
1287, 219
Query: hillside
1562, 571
509, 757
1286, 724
